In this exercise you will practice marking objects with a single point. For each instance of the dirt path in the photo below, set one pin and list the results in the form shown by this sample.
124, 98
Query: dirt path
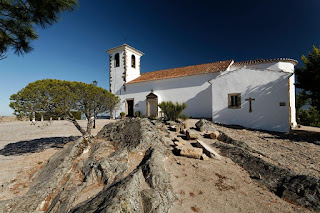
220, 186
17, 168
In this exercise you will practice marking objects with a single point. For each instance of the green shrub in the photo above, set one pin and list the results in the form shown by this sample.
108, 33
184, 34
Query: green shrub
184, 117
122, 113
154, 117
171, 110
137, 113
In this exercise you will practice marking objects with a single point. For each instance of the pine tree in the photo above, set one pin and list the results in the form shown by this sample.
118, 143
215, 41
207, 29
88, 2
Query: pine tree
308, 77
60, 98
18, 19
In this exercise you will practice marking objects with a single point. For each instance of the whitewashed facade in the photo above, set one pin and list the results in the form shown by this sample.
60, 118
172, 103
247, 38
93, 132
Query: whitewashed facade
207, 94
270, 109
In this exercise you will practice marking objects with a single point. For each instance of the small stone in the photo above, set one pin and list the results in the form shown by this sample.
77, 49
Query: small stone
213, 135
191, 152
178, 143
204, 157
208, 150
192, 134
183, 131
180, 140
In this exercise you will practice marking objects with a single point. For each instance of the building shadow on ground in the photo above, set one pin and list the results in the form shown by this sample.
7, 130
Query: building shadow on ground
36, 145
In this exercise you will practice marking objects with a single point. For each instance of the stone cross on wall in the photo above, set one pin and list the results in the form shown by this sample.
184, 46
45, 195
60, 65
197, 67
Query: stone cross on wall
250, 103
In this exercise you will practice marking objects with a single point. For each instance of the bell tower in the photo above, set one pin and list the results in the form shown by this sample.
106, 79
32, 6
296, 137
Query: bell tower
124, 66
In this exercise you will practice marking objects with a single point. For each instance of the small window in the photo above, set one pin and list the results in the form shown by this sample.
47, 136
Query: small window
133, 61
117, 60
234, 100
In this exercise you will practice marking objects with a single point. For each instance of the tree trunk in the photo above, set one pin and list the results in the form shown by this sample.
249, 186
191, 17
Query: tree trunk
89, 125
77, 125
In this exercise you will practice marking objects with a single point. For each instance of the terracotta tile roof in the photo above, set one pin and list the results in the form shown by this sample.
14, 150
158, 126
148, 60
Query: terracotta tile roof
263, 61
183, 71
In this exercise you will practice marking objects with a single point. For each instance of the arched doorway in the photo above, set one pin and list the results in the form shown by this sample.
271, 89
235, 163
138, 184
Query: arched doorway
152, 105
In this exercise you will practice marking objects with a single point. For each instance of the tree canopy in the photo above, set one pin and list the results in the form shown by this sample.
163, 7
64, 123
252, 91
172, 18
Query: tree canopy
308, 77
61, 98
18, 19
308, 80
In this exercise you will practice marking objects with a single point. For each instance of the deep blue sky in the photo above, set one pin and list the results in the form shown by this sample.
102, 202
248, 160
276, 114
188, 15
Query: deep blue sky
170, 33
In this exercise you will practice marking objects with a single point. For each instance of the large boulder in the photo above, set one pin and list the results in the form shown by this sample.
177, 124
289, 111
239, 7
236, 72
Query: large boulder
205, 126
112, 176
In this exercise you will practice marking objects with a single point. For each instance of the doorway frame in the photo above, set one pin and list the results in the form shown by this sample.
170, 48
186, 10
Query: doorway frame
127, 108
151, 98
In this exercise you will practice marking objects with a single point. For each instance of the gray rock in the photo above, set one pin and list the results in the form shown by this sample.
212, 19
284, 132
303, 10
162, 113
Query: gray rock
192, 134
208, 150
191, 152
213, 135
205, 126
70, 173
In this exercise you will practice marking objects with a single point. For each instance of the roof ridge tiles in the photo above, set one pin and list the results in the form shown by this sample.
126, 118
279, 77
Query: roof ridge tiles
183, 71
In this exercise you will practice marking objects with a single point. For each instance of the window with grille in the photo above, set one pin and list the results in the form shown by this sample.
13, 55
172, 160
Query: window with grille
234, 100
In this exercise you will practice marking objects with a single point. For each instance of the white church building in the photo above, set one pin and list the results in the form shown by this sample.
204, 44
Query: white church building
258, 94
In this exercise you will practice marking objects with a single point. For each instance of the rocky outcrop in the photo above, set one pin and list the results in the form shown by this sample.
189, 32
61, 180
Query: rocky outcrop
301, 189
122, 170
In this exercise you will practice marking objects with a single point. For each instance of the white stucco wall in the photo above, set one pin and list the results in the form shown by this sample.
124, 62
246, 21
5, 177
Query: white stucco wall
132, 73
116, 73
292, 93
277, 65
194, 90
268, 88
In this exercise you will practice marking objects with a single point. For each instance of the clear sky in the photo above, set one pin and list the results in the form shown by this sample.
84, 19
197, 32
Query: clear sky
171, 33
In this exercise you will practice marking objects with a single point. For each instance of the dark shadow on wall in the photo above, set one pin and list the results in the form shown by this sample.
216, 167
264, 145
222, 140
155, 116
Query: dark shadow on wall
261, 115
141, 107
200, 106
36, 145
